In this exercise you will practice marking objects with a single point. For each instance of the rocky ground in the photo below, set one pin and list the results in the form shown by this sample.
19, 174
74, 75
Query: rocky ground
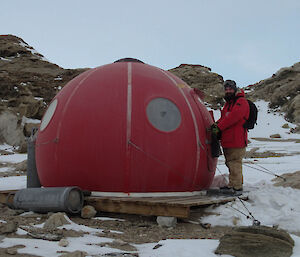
135, 229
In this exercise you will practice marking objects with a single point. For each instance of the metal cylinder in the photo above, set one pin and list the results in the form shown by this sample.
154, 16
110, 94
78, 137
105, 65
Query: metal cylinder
32, 175
51, 199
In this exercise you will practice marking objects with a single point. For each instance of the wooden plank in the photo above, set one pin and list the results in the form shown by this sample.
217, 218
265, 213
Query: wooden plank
174, 206
4, 195
207, 200
143, 208
177, 199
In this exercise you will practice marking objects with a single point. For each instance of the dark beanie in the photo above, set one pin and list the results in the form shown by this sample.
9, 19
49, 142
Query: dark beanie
231, 84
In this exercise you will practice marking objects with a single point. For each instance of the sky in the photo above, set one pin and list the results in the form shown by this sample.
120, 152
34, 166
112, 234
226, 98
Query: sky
246, 41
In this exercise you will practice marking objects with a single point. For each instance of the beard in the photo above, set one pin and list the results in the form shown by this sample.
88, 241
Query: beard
229, 96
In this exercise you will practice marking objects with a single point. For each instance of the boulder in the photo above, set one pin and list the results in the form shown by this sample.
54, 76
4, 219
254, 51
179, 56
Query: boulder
21, 166
166, 221
88, 212
258, 241
28, 127
11, 131
63, 242
55, 220
275, 136
286, 125
9, 227
12, 250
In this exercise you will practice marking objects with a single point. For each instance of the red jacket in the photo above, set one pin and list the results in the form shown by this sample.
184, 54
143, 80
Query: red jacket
233, 116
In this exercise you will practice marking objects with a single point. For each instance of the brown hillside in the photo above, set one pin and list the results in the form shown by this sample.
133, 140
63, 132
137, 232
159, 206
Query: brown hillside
282, 90
201, 77
28, 81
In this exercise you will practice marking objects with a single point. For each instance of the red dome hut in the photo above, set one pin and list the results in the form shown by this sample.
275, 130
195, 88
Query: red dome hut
126, 127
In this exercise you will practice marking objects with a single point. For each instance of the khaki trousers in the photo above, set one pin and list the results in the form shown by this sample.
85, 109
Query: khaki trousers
233, 160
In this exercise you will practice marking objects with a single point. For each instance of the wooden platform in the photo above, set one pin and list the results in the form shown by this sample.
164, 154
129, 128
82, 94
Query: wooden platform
157, 206
4, 196
178, 206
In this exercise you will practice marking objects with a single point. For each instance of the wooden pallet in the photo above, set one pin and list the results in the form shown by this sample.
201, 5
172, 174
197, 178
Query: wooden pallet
157, 206
6, 197
178, 206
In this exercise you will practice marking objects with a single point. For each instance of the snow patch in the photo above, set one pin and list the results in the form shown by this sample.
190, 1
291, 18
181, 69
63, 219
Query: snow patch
272, 206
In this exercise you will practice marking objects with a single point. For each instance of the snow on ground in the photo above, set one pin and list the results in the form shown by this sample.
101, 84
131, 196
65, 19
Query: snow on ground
88, 243
91, 242
33, 51
180, 247
7, 148
13, 158
34, 121
6, 169
107, 218
76, 227
270, 122
270, 205
13, 182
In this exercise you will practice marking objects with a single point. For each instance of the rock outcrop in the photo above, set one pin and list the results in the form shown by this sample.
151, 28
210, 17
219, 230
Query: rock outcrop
201, 77
10, 128
282, 91
28, 82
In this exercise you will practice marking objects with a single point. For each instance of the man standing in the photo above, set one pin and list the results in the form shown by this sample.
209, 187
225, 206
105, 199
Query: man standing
233, 135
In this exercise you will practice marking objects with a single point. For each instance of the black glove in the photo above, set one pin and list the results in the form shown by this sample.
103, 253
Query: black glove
215, 130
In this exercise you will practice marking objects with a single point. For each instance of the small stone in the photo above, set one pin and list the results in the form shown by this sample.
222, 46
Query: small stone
156, 246
119, 242
9, 212
8, 227
21, 166
286, 125
166, 221
74, 254
12, 251
275, 136
63, 242
56, 220
205, 225
88, 212
235, 220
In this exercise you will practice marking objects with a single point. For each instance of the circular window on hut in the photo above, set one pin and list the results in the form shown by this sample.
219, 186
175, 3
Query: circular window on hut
48, 115
163, 114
